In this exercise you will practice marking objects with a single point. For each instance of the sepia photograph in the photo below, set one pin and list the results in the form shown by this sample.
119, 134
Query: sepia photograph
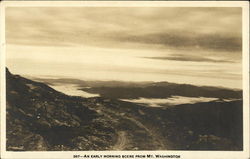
124, 78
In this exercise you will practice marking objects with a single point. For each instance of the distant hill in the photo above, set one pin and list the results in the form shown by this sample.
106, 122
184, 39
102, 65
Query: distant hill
134, 90
43, 119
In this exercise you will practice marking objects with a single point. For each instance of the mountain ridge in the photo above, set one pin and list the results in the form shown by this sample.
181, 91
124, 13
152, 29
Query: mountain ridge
135, 90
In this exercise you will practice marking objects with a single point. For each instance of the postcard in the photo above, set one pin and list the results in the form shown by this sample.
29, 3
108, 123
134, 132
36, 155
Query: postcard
124, 79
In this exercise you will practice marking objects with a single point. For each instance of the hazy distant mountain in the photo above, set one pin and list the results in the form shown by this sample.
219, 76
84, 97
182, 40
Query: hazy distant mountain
133, 90
41, 118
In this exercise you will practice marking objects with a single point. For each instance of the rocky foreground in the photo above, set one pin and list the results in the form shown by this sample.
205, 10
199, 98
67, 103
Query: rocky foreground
40, 118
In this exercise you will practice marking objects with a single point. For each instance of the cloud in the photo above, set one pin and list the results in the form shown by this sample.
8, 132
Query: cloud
182, 40
190, 58
210, 28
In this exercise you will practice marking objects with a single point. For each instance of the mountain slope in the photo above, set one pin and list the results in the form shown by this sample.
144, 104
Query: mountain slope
42, 119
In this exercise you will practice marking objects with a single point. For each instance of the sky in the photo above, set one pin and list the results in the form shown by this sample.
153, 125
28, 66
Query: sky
200, 46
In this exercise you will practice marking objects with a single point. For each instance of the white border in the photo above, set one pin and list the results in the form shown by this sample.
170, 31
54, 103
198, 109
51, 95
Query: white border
184, 154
